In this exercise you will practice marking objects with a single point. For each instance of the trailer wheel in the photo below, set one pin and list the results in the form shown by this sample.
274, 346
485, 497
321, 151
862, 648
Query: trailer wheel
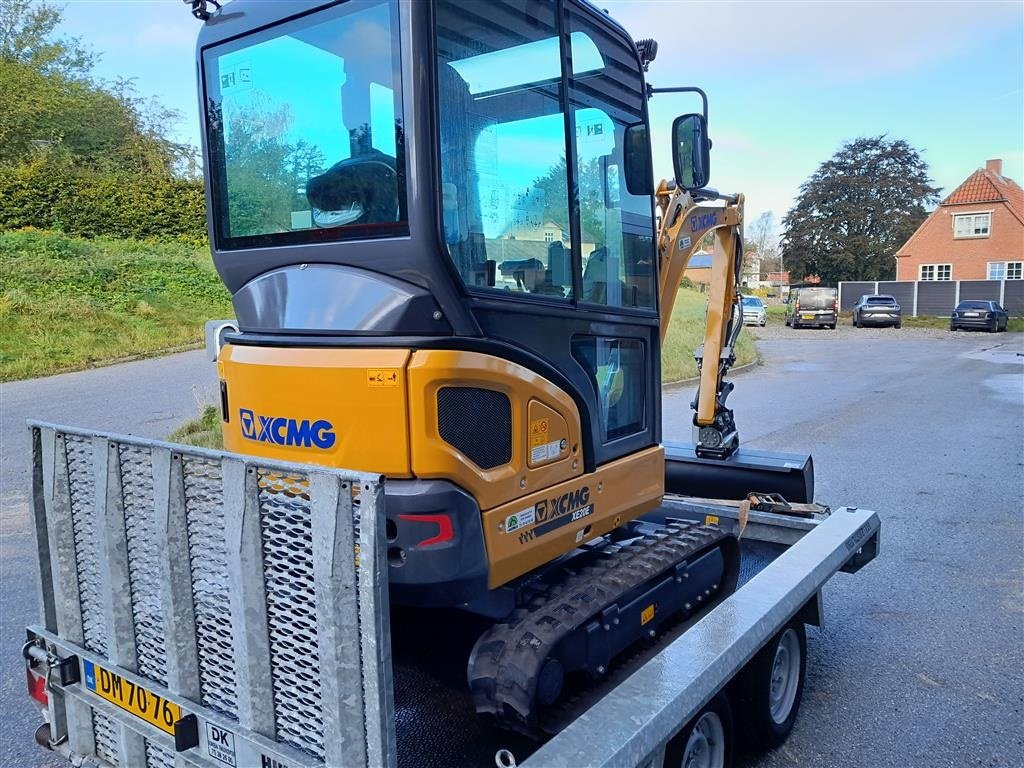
772, 686
706, 741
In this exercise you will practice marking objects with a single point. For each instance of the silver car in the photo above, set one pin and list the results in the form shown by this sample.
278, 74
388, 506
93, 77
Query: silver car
754, 312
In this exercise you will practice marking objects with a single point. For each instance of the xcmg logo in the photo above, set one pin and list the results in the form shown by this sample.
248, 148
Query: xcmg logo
281, 431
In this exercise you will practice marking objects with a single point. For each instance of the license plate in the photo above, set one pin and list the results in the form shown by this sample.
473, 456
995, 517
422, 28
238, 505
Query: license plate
970, 314
133, 698
806, 317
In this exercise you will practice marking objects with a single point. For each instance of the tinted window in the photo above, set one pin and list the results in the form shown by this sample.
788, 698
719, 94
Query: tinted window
305, 129
616, 225
619, 374
503, 150
881, 300
816, 298
973, 305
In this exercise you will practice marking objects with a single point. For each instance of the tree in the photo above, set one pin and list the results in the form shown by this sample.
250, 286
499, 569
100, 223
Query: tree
591, 182
856, 210
26, 37
759, 242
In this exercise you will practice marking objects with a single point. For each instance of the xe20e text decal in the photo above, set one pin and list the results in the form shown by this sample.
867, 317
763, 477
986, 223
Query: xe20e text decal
554, 513
279, 430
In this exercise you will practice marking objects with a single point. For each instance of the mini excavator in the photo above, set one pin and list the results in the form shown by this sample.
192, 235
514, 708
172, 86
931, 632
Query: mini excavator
450, 266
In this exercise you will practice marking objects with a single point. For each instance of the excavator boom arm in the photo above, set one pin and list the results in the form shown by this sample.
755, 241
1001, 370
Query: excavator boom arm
685, 222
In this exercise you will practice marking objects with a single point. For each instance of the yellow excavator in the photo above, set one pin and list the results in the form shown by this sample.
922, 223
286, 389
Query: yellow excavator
450, 265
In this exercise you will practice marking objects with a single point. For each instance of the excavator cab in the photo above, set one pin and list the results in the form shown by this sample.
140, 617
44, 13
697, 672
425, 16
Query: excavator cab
437, 224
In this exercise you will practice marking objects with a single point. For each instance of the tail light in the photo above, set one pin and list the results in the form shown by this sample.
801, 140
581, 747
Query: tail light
36, 686
445, 531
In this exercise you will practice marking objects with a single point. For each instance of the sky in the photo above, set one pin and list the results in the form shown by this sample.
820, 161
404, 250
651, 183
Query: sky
788, 82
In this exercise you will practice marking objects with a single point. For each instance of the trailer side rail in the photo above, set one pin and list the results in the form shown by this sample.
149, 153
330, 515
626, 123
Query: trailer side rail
633, 724
250, 594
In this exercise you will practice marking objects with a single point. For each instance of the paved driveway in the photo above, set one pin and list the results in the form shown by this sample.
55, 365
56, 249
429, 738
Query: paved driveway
920, 662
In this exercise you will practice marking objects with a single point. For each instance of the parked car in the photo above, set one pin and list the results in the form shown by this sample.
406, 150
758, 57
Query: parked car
979, 314
877, 309
812, 307
754, 312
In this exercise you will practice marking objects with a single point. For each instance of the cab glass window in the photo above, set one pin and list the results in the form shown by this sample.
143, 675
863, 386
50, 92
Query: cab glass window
618, 372
503, 148
304, 126
616, 222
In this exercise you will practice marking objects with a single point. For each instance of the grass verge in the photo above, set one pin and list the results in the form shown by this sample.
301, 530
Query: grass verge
67, 303
686, 333
203, 432
1015, 324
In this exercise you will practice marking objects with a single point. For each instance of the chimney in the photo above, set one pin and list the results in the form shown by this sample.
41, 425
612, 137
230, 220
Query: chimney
996, 166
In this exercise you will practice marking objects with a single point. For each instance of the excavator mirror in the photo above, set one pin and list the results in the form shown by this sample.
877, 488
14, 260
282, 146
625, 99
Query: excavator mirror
636, 163
691, 150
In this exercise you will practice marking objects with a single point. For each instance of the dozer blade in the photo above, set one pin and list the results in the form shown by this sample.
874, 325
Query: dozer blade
519, 669
746, 471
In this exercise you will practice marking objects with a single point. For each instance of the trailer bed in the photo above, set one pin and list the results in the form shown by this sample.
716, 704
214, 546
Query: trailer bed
435, 723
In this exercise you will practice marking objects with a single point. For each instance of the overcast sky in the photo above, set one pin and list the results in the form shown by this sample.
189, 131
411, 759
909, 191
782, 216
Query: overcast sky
788, 82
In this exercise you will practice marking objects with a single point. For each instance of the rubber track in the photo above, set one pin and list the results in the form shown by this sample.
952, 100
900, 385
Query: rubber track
507, 659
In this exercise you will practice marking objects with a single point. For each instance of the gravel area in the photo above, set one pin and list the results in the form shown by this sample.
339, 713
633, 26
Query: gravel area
778, 330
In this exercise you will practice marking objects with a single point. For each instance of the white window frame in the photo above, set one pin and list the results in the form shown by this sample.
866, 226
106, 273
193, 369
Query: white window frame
972, 226
995, 270
1014, 270
549, 236
935, 272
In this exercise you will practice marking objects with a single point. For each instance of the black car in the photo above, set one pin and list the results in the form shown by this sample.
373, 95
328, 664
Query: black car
812, 308
979, 314
877, 309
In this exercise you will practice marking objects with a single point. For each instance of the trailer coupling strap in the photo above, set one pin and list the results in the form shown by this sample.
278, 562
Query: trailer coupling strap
775, 502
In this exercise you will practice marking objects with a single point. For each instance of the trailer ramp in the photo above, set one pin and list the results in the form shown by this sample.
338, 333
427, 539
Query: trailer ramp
209, 609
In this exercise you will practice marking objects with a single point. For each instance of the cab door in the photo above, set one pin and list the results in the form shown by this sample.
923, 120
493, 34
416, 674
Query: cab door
555, 249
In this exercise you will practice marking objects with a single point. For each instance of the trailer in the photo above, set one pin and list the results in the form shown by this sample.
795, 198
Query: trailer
203, 608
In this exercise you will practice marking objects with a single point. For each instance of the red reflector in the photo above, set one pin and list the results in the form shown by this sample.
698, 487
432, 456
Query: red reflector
37, 687
444, 528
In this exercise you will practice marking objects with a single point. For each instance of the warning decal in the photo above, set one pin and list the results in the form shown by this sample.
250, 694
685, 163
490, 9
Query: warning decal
382, 377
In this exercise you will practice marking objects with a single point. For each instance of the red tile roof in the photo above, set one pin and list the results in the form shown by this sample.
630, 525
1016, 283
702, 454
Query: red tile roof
985, 186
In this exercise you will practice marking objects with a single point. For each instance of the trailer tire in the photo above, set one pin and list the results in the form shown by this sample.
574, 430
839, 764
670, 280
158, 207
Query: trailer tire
707, 741
771, 686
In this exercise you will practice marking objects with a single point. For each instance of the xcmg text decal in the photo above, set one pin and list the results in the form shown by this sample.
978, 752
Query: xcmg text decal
279, 430
551, 514
703, 221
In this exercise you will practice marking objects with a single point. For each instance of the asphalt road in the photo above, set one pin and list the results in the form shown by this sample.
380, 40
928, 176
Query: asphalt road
150, 398
921, 661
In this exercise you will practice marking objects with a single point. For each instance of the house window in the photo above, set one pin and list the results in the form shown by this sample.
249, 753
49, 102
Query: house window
972, 225
549, 237
1005, 270
936, 272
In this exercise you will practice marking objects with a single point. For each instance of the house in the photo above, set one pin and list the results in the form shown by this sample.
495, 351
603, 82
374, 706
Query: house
699, 267
976, 233
751, 277
549, 232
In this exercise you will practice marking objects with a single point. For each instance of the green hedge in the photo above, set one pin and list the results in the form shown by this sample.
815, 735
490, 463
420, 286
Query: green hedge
50, 193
